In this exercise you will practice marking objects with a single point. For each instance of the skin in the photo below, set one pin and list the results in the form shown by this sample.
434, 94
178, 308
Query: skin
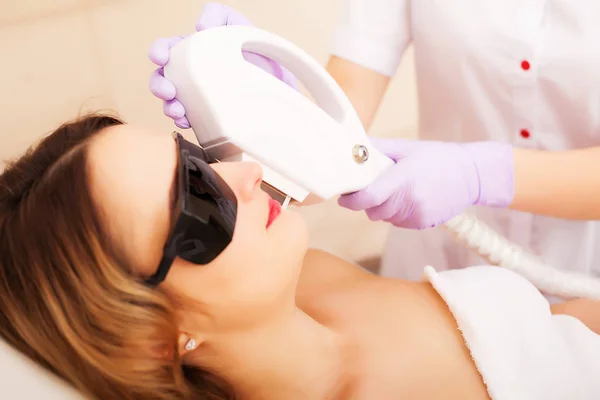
277, 320
363, 87
561, 184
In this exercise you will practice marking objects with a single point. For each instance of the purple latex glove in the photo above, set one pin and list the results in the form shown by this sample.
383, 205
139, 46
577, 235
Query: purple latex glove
432, 181
212, 15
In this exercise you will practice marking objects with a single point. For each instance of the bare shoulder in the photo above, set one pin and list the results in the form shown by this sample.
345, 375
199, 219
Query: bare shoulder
324, 272
585, 310
322, 265
406, 333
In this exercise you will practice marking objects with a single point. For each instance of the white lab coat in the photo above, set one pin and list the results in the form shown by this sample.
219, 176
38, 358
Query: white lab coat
526, 72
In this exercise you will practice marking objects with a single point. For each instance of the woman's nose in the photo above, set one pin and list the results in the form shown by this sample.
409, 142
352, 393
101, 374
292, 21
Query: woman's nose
244, 178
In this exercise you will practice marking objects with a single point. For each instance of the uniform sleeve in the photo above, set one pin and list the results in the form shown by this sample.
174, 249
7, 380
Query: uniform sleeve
373, 33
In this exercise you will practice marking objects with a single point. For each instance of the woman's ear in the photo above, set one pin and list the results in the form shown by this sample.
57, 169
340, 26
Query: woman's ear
187, 343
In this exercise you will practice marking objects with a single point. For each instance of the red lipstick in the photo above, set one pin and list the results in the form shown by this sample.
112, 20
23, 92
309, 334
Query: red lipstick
274, 211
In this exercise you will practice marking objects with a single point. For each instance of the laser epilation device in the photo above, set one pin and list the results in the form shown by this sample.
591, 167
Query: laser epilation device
310, 150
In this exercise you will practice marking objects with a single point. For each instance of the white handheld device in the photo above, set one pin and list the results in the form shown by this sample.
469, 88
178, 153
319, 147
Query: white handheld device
239, 112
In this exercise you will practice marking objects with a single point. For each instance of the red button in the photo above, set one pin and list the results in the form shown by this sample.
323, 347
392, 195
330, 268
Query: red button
525, 65
525, 133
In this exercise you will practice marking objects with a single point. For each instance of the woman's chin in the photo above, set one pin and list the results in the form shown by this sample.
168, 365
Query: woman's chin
291, 230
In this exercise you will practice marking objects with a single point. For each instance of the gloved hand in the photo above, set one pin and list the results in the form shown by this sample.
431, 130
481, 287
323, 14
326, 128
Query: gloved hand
432, 181
212, 15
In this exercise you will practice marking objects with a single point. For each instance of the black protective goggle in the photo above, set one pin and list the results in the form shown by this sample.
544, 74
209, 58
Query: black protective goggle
204, 215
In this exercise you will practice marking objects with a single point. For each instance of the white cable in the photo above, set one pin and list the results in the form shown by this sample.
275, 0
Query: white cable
498, 251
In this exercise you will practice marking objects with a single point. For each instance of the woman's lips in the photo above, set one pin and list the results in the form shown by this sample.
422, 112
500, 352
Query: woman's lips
274, 211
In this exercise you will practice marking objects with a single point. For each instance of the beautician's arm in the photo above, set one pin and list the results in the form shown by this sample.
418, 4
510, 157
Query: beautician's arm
365, 88
562, 184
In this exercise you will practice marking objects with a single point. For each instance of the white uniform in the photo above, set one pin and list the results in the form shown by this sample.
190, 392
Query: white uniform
521, 350
526, 72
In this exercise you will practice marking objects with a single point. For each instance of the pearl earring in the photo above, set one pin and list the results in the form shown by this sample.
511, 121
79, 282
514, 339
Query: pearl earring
190, 345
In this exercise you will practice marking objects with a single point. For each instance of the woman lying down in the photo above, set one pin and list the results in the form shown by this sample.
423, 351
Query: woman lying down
134, 270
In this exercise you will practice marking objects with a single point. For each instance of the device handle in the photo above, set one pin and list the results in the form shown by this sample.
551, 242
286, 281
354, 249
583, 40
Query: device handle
324, 89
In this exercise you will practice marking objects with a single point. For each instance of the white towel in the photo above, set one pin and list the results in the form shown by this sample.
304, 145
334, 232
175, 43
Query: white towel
521, 350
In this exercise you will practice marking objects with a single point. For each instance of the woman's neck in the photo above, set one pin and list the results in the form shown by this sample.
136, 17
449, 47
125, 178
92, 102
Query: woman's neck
293, 359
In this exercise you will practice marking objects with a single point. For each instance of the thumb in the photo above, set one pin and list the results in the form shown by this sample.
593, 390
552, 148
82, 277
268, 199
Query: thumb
396, 149
375, 193
159, 50
215, 14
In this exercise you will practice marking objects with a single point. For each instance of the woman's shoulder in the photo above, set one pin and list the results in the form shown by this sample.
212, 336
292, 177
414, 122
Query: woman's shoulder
404, 328
324, 271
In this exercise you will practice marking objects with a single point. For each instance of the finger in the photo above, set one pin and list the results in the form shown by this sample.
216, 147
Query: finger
215, 14
361, 200
236, 18
159, 50
374, 214
271, 67
289, 79
212, 15
173, 109
161, 87
182, 123
282, 74
398, 206
413, 221
374, 194
260, 61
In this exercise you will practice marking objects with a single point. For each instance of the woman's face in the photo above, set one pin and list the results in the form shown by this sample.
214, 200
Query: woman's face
252, 280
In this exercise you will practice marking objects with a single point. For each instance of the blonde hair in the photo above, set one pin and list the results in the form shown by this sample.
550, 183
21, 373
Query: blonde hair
68, 299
